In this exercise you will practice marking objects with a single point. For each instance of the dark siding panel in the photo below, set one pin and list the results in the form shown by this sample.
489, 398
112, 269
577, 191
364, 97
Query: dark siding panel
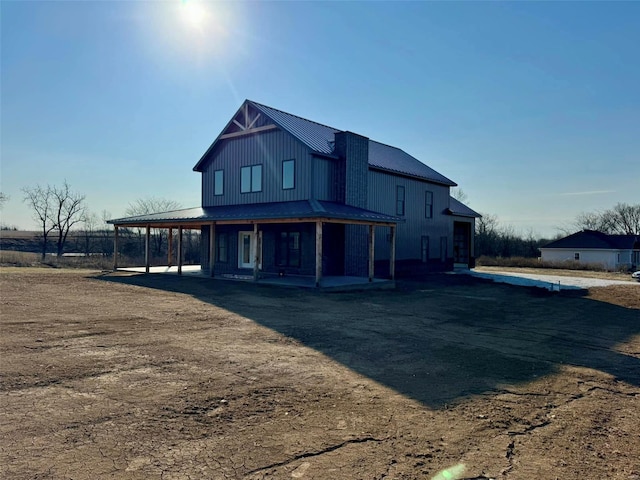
382, 198
268, 149
326, 179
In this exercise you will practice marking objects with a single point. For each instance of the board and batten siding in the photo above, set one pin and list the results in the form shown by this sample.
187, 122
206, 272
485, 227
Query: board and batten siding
328, 179
269, 149
382, 198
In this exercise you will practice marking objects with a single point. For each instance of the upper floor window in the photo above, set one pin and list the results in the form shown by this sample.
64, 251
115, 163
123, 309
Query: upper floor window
251, 179
288, 174
399, 200
218, 182
428, 204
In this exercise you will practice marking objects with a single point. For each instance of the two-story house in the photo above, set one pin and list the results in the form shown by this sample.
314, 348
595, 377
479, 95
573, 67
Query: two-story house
282, 195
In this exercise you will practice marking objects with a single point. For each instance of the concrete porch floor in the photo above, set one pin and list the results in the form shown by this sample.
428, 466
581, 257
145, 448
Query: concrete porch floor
329, 283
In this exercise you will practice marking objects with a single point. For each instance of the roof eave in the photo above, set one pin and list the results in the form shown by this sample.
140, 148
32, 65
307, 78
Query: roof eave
449, 183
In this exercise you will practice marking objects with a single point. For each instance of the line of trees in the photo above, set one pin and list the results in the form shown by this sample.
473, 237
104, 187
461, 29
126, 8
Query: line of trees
496, 240
622, 219
58, 209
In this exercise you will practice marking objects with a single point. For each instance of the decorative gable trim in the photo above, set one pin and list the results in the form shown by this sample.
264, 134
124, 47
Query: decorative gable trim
241, 124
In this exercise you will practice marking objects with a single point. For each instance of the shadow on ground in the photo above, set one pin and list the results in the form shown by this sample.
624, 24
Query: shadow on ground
437, 340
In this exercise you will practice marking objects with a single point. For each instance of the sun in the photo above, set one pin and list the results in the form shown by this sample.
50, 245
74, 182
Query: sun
194, 13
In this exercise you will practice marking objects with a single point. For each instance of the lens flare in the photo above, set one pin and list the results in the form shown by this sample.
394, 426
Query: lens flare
194, 13
451, 473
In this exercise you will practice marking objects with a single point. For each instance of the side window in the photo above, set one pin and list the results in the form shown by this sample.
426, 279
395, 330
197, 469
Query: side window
428, 204
399, 200
424, 249
288, 174
251, 179
288, 249
218, 182
576, 256
222, 251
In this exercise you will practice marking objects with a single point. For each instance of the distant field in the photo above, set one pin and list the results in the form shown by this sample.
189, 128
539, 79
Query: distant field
18, 234
10, 258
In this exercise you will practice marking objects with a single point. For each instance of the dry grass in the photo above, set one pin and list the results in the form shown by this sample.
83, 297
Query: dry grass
527, 262
9, 258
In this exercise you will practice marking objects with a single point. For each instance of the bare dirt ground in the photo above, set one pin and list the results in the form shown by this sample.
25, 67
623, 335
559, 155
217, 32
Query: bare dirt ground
153, 376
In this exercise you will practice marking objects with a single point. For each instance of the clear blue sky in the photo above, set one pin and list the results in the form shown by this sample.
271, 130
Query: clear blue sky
532, 108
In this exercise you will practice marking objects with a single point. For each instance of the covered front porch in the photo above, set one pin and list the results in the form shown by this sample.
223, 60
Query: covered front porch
327, 283
334, 249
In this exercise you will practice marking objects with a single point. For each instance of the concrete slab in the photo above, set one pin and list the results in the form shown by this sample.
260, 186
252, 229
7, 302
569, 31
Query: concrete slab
550, 282
330, 283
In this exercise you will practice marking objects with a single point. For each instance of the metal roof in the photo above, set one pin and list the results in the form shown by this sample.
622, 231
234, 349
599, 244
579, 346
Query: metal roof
456, 207
260, 211
591, 239
320, 139
392, 159
316, 136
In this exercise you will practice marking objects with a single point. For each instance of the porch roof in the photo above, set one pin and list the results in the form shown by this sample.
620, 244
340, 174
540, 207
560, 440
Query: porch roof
251, 213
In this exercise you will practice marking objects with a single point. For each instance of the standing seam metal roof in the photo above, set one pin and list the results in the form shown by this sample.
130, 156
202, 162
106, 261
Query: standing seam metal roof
320, 138
456, 207
261, 211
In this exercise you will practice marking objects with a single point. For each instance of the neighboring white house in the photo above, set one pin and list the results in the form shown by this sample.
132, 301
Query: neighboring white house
613, 252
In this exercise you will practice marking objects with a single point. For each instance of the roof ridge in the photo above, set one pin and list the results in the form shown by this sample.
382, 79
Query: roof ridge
294, 115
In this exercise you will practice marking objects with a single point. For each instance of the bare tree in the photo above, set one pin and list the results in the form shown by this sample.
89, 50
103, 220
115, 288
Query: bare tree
40, 199
625, 219
55, 209
459, 194
70, 210
147, 206
90, 225
591, 221
621, 219
487, 235
4, 198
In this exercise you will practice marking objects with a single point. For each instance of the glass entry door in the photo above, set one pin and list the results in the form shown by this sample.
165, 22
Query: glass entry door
245, 250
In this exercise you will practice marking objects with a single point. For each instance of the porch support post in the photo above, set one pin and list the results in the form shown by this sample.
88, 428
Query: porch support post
212, 248
392, 254
180, 250
256, 252
115, 247
147, 241
170, 247
318, 252
372, 240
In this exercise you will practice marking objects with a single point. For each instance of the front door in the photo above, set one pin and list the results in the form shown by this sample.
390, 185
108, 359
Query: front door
245, 250
461, 242
246, 242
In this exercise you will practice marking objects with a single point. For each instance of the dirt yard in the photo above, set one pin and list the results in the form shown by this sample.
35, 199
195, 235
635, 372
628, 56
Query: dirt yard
152, 376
